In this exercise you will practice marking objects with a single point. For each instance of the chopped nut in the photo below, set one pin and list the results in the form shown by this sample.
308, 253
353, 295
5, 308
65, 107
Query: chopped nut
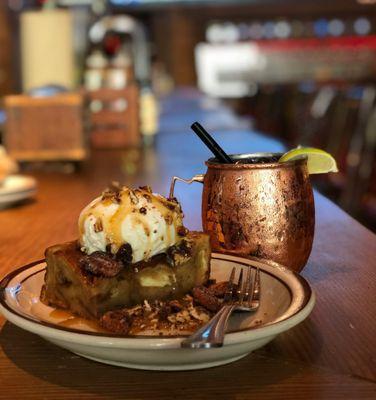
146, 188
175, 306
168, 218
113, 192
218, 289
98, 227
147, 305
116, 321
180, 317
168, 317
177, 254
202, 296
133, 197
147, 197
164, 312
170, 206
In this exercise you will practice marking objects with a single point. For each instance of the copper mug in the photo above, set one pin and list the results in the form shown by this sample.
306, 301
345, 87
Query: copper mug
263, 210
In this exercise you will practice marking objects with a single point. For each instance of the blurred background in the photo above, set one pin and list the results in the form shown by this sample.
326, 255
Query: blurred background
77, 75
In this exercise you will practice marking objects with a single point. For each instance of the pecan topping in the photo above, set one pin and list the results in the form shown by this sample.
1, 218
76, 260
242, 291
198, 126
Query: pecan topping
178, 252
146, 188
133, 197
113, 192
170, 206
158, 315
100, 264
147, 197
98, 226
116, 321
124, 254
218, 289
203, 297
142, 210
175, 306
164, 312
168, 219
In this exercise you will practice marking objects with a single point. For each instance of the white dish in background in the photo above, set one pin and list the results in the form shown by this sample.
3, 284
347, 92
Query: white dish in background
286, 300
15, 188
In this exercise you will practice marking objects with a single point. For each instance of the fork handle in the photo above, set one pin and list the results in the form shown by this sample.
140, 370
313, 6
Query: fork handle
212, 333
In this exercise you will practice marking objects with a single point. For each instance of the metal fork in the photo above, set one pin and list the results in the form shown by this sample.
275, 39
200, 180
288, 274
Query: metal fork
245, 298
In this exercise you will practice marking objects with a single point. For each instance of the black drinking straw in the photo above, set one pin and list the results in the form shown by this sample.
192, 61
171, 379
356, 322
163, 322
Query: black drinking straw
213, 146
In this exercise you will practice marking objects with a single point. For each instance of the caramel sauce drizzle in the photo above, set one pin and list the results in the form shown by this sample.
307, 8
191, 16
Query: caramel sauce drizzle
69, 320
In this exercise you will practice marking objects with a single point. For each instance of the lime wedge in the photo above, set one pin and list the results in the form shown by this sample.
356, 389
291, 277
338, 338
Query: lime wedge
319, 161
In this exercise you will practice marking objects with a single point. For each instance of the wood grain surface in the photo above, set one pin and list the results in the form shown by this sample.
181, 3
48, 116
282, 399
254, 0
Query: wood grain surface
331, 355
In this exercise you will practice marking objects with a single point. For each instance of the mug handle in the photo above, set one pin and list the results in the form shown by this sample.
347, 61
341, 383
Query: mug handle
196, 178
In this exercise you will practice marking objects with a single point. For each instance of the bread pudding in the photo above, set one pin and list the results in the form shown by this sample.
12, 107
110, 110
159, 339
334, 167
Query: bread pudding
133, 253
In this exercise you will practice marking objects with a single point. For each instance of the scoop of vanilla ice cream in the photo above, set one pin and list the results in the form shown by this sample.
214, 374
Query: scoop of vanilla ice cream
148, 222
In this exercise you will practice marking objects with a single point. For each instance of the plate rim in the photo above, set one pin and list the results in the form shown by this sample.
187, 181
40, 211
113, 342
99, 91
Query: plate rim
30, 180
104, 339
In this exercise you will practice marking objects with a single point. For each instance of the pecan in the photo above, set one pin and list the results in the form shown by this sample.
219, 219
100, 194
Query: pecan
171, 206
113, 192
147, 197
133, 197
203, 297
142, 210
100, 264
164, 312
168, 218
175, 306
124, 254
146, 189
118, 321
98, 226
218, 289
178, 253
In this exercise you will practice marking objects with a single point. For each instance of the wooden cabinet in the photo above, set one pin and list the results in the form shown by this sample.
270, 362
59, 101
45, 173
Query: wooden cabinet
45, 128
115, 124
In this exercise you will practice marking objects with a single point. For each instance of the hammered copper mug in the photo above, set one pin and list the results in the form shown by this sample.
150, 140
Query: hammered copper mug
263, 210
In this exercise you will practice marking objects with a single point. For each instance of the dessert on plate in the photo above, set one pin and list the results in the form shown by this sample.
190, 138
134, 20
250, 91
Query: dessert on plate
135, 268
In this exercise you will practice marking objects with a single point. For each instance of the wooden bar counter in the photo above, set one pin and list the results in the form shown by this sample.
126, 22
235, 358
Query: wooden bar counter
331, 355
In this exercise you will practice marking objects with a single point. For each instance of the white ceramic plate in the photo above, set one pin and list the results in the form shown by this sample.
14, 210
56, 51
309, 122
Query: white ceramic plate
16, 188
286, 300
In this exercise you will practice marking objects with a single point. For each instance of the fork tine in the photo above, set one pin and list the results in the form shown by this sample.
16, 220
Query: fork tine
247, 286
255, 300
230, 287
239, 291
